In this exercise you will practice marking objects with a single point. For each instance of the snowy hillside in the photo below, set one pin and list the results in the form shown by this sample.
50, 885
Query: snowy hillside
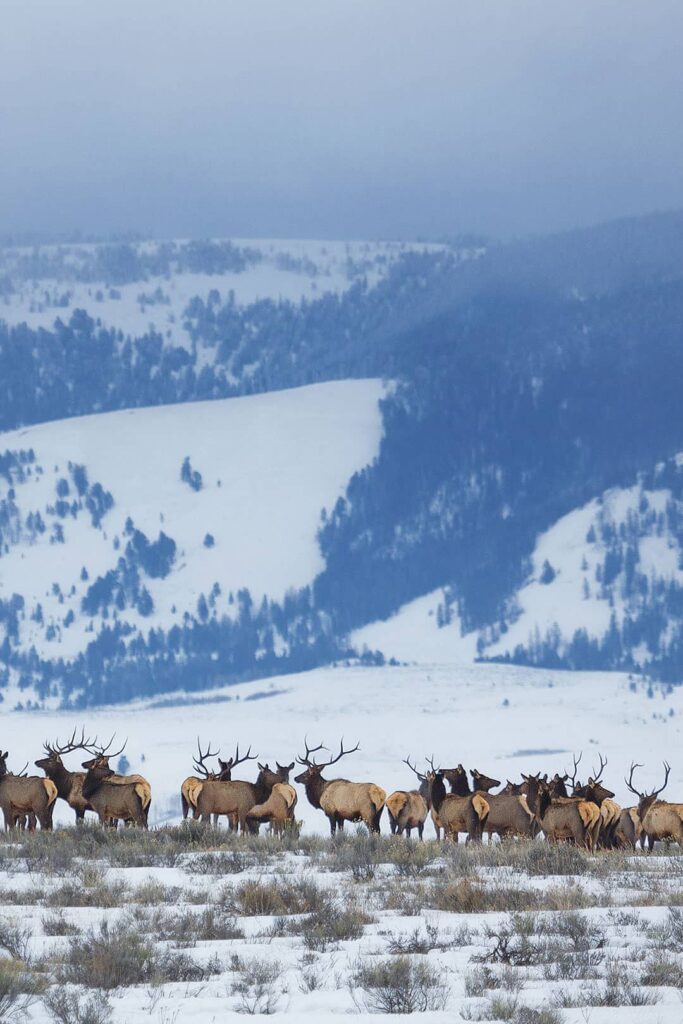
100, 523
143, 286
595, 573
500, 719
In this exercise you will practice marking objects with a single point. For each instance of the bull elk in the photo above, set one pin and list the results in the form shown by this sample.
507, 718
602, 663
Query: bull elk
99, 764
452, 812
659, 819
69, 784
189, 790
25, 798
407, 809
236, 797
610, 811
114, 798
339, 799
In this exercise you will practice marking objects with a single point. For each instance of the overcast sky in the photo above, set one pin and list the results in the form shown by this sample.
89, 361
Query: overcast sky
337, 118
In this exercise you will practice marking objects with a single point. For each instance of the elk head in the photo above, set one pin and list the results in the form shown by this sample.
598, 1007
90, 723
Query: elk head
313, 770
646, 800
594, 789
99, 762
457, 778
435, 783
283, 770
483, 782
512, 788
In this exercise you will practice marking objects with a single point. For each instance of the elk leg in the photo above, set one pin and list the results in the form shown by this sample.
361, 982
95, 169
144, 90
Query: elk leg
420, 830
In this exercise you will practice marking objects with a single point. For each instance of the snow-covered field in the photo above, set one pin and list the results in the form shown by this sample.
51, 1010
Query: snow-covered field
229, 926
269, 464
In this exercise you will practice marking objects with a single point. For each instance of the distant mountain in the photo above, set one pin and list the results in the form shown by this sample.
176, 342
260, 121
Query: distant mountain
534, 391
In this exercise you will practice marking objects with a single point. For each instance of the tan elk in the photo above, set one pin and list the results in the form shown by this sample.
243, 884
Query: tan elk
509, 813
25, 799
562, 818
407, 809
237, 797
659, 819
278, 809
99, 763
339, 799
69, 784
629, 829
190, 789
454, 813
113, 798
610, 810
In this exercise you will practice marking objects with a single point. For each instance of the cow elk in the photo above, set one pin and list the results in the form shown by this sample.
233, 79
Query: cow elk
452, 812
339, 799
562, 818
278, 809
509, 813
25, 799
407, 809
659, 819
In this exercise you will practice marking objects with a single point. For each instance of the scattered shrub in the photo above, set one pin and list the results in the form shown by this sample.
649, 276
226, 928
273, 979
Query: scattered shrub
397, 985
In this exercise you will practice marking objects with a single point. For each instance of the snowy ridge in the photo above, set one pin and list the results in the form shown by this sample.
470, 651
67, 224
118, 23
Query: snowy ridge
265, 468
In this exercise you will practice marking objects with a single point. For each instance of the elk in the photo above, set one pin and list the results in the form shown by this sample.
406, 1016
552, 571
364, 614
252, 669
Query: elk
25, 798
99, 763
407, 809
628, 829
278, 809
456, 813
190, 788
659, 818
114, 799
339, 799
236, 797
610, 811
562, 818
69, 784
509, 813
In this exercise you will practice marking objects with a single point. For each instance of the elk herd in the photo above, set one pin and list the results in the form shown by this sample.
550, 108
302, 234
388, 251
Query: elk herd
561, 808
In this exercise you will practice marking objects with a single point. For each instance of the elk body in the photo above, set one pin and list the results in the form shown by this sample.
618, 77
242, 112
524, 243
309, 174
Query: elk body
454, 813
237, 797
407, 809
563, 818
191, 787
659, 819
339, 799
115, 801
509, 814
25, 799
278, 809
610, 811
99, 766
628, 830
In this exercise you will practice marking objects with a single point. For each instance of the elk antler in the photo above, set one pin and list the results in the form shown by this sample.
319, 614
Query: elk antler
577, 762
430, 762
198, 762
667, 770
306, 759
603, 765
98, 751
406, 760
70, 745
629, 780
240, 760
342, 752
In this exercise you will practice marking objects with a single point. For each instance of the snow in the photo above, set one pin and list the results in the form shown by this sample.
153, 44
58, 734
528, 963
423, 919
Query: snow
270, 463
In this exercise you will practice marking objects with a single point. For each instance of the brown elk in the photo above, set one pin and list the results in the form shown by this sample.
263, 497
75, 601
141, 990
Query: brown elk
339, 799
629, 829
114, 798
278, 809
407, 809
236, 797
99, 763
456, 813
69, 784
659, 818
562, 818
23, 799
610, 811
509, 814
189, 790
